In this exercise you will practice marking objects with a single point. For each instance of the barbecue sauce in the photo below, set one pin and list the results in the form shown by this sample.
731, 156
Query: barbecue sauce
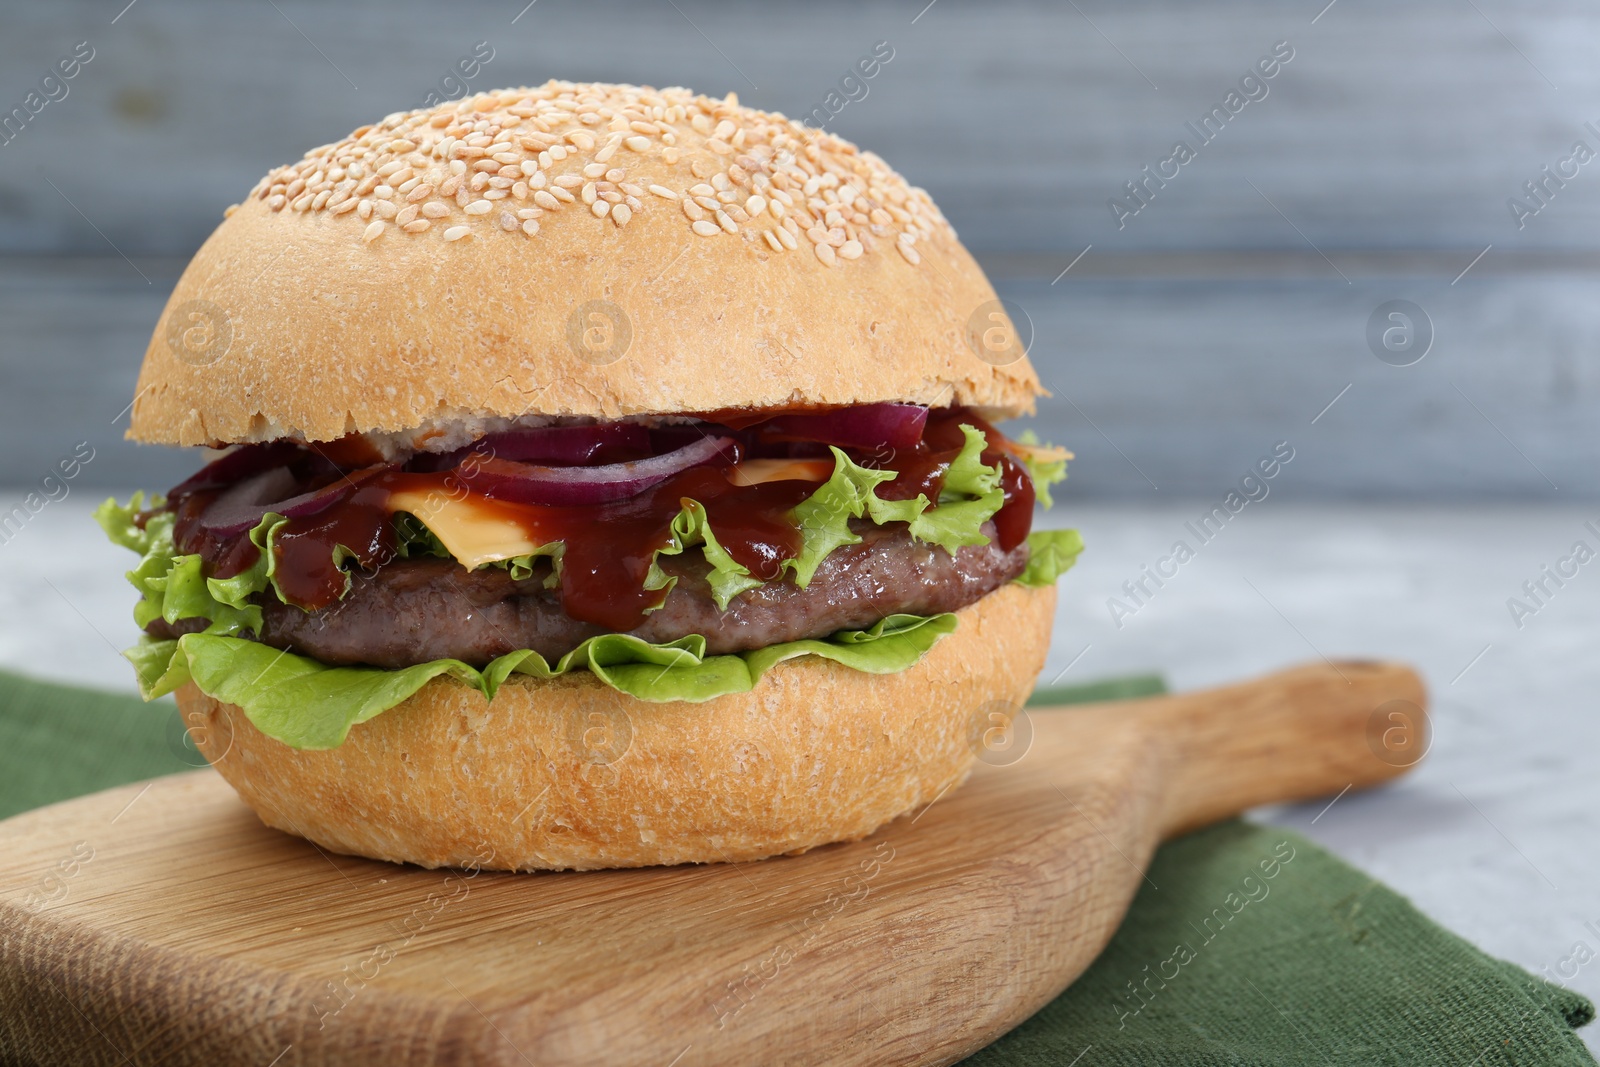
608, 547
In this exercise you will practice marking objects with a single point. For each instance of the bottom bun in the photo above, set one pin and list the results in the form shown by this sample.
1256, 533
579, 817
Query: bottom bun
571, 774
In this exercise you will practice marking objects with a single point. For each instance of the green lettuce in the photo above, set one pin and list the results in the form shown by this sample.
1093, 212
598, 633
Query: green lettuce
1043, 472
307, 704
173, 587
1051, 553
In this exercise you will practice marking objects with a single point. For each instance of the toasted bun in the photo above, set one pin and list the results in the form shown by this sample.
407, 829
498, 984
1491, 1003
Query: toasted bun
568, 773
449, 264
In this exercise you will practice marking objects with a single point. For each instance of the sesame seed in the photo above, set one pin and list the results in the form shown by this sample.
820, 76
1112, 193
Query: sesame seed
530, 227
706, 229
478, 152
456, 233
373, 231
826, 254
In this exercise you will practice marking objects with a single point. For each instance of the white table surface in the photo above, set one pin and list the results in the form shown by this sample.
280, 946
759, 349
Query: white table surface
1494, 835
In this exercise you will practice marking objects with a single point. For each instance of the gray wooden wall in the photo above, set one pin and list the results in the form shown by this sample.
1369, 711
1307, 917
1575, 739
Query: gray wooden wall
1220, 319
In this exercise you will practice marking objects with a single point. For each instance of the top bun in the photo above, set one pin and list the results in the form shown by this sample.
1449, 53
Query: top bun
587, 250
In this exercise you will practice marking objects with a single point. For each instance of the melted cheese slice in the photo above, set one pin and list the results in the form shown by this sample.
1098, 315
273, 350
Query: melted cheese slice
756, 471
475, 530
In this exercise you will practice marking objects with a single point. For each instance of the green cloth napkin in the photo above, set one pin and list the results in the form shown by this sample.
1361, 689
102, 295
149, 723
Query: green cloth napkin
1316, 964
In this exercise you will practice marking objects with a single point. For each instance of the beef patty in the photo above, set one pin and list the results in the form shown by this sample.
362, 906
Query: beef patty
415, 610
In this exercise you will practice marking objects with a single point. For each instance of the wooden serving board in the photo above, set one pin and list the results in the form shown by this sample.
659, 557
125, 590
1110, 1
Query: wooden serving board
163, 923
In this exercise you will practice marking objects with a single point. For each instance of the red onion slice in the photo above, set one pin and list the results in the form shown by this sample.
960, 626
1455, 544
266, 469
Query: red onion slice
524, 483
866, 426
243, 462
244, 505
557, 446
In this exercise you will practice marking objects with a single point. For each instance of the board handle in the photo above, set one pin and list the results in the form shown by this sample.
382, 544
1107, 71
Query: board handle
1310, 731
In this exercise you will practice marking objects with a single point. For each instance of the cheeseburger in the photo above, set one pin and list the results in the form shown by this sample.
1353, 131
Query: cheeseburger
604, 477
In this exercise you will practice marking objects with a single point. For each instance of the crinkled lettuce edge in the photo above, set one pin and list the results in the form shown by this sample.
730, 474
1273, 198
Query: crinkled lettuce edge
311, 705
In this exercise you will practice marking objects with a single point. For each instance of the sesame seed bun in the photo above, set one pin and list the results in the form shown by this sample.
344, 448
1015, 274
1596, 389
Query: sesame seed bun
584, 250
567, 773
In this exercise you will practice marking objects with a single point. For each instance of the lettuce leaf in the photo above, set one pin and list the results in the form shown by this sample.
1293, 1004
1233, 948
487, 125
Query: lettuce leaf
1043, 472
728, 577
970, 497
824, 517
173, 587
1051, 553
310, 705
